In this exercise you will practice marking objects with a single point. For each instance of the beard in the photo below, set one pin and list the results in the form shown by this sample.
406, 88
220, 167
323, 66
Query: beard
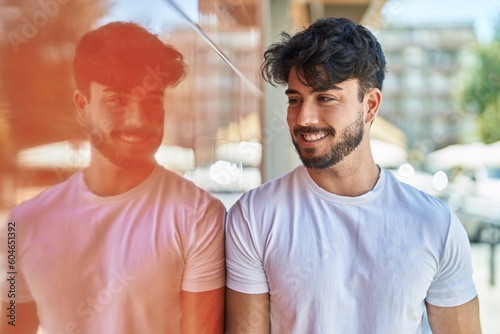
350, 139
106, 145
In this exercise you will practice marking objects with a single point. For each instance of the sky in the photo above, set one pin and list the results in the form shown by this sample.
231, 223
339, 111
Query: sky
157, 14
483, 13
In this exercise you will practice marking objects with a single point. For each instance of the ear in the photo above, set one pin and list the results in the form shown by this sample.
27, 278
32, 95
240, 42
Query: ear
81, 102
373, 99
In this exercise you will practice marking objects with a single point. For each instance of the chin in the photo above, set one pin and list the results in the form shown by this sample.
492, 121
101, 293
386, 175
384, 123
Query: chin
134, 162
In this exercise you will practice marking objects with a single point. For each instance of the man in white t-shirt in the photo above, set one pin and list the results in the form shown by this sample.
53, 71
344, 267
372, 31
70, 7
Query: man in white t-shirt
339, 245
124, 246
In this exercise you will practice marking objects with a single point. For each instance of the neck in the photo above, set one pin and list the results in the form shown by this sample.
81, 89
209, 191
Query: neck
111, 180
355, 175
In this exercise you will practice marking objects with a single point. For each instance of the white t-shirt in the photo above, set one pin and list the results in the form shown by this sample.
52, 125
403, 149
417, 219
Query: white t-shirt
335, 264
116, 264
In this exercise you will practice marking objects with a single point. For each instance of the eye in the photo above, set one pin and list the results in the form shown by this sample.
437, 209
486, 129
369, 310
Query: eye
292, 101
116, 101
154, 101
323, 98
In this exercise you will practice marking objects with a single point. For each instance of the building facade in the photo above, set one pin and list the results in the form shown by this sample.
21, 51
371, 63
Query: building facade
423, 74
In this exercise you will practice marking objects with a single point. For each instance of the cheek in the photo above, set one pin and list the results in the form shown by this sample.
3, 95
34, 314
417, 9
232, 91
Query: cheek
157, 118
291, 122
291, 115
107, 124
105, 121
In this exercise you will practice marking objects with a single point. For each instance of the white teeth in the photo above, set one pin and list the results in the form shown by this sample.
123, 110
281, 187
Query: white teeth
133, 138
314, 136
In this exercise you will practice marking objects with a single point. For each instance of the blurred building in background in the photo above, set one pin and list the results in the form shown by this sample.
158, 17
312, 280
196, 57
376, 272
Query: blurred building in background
423, 67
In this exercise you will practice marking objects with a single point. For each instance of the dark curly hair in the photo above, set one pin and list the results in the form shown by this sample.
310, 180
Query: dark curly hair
121, 54
328, 52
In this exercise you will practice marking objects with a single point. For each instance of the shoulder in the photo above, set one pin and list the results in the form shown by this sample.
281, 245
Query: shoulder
185, 193
47, 200
272, 192
419, 204
406, 189
272, 201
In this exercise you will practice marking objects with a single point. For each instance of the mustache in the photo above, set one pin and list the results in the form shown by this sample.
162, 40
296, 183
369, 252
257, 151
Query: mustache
137, 131
298, 130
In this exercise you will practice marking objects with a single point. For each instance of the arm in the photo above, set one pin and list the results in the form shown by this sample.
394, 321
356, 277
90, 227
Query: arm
202, 312
247, 313
26, 319
458, 319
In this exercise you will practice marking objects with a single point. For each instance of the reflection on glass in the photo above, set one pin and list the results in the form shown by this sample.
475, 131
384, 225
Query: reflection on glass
212, 120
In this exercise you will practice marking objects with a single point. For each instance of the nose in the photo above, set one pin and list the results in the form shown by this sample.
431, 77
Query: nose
134, 115
308, 114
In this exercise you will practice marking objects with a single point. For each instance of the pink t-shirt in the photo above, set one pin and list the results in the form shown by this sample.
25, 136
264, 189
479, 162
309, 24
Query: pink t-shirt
116, 264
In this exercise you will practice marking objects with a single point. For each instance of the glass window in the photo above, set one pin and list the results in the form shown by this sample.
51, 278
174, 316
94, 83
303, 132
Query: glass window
212, 118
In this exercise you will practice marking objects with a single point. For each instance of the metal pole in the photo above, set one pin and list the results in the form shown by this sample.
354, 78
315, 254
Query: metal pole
492, 262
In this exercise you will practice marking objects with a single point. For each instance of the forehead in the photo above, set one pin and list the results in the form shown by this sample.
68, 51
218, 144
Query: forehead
298, 83
99, 88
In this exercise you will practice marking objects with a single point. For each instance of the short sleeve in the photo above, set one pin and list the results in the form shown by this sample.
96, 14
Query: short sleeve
453, 284
245, 270
204, 253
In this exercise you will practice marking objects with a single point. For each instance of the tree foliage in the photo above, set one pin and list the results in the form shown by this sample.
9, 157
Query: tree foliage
481, 90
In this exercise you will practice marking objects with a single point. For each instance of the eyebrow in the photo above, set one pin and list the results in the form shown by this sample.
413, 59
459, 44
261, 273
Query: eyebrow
149, 92
293, 91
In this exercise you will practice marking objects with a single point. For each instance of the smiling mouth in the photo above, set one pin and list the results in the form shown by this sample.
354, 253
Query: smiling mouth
311, 137
133, 138
137, 136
